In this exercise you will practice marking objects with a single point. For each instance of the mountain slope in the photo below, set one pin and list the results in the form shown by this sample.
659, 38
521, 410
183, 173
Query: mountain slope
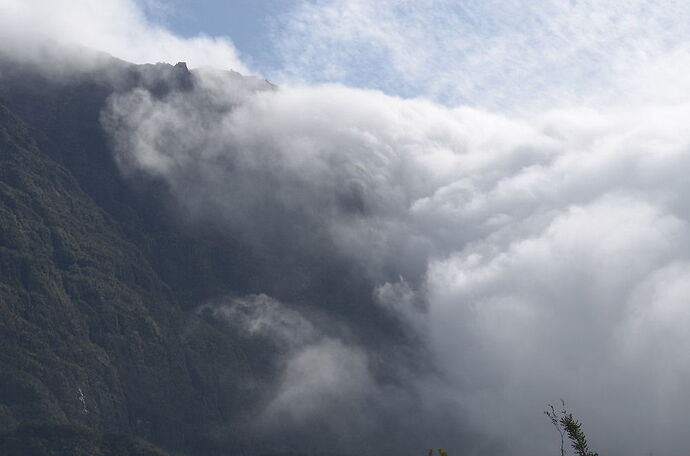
63, 113
65, 440
90, 334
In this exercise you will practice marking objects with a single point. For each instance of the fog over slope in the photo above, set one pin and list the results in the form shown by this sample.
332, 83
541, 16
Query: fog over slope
433, 276
534, 260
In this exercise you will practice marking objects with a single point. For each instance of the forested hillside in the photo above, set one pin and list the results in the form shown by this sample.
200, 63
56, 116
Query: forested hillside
95, 326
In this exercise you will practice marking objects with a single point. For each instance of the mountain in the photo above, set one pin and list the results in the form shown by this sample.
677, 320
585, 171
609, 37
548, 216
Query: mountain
59, 440
100, 341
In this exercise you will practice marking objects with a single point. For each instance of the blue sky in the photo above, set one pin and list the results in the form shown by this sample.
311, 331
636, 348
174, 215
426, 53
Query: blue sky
496, 54
248, 23
509, 56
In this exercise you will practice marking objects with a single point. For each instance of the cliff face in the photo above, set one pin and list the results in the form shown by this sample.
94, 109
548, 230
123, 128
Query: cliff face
98, 283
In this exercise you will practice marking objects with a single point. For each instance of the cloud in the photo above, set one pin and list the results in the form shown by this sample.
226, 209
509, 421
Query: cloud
521, 261
541, 315
118, 27
505, 55
431, 275
325, 392
263, 316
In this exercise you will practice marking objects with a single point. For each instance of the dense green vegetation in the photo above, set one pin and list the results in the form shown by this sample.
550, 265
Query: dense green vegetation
64, 440
90, 333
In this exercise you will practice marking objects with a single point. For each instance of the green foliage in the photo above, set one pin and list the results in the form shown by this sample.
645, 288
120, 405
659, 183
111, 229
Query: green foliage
439, 451
577, 438
90, 335
62, 440
567, 425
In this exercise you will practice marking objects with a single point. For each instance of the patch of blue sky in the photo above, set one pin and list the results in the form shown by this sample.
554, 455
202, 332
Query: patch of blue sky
494, 54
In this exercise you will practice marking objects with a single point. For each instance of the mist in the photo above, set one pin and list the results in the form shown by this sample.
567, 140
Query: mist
435, 274
531, 260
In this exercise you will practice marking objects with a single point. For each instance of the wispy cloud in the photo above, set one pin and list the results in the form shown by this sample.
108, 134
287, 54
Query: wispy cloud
507, 55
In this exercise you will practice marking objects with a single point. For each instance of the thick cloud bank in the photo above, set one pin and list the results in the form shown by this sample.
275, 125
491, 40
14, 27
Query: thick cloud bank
530, 260
432, 276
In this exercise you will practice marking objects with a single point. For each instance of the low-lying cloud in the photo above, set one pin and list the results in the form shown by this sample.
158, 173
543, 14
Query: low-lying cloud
434, 276
529, 260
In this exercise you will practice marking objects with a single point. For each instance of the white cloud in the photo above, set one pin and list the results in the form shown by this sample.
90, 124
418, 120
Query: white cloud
538, 259
118, 27
539, 316
263, 316
328, 376
320, 380
509, 55
533, 258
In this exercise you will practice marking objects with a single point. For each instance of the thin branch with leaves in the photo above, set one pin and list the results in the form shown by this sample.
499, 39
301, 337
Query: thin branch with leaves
567, 425
554, 417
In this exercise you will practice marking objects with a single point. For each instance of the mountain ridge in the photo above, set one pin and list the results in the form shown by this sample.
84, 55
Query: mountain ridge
91, 334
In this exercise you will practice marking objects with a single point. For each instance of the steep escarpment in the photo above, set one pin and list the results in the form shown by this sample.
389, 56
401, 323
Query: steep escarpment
63, 113
59, 440
92, 332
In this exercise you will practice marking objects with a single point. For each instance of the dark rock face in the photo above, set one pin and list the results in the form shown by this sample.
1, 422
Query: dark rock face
98, 285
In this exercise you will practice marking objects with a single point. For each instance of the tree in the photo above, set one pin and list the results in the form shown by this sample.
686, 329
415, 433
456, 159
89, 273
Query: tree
566, 424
